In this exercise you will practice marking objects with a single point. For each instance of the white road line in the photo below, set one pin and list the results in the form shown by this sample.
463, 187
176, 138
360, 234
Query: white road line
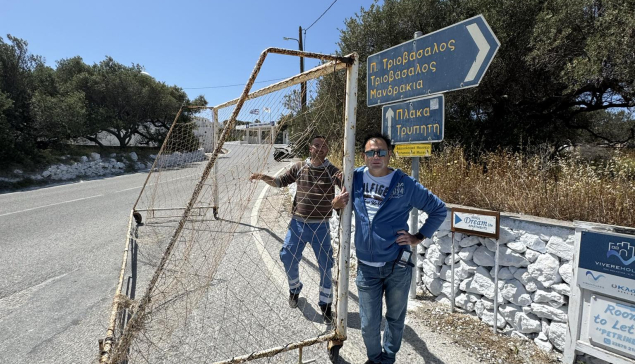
279, 276
53, 204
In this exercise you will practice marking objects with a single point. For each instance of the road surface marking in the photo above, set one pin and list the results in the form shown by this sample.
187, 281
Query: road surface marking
53, 204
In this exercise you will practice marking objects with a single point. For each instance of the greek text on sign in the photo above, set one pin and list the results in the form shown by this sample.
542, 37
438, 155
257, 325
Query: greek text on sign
451, 58
612, 325
413, 150
476, 222
415, 121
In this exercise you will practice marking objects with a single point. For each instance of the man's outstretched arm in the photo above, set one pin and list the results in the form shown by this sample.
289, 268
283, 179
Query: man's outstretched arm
263, 177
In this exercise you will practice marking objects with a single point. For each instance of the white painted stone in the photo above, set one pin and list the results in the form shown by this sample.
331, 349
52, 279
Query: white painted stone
508, 311
465, 283
421, 250
487, 303
553, 298
566, 272
533, 285
448, 259
558, 334
519, 335
560, 248
509, 257
443, 232
435, 286
527, 323
545, 327
490, 244
506, 235
526, 309
482, 284
134, 156
427, 242
545, 346
531, 255
46, 174
446, 288
468, 252
445, 244
429, 269
545, 270
515, 292
83, 159
517, 246
488, 318
95, 156
533, 242
547, 311
562, 288
483, 257
469, 241
542, 336
460, 272
443, 299
474, 297
479, 308
469, 265
503, 273
512, 269
434, 255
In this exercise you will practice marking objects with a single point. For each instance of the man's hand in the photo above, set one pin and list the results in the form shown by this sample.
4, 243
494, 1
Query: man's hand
405, 238
255, 176
340, 201
263, 177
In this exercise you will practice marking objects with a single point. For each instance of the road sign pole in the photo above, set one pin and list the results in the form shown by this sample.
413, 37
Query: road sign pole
414, 228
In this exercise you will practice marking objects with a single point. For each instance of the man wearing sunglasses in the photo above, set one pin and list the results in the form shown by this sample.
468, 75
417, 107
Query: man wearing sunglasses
315, 179
382, 200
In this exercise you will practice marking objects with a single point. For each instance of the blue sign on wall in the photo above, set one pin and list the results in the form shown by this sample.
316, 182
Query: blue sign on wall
452, 58
415, 121
608, 254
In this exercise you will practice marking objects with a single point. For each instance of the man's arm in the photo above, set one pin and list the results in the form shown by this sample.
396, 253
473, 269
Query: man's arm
429, 203
263, 177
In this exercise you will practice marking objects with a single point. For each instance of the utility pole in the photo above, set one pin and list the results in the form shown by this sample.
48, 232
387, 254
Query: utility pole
303, 84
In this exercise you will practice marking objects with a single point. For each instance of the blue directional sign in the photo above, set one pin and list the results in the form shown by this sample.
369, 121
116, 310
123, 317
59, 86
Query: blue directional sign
452, 58
415, 121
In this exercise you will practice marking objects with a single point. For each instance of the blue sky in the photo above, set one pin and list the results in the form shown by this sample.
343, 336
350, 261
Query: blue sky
192, 44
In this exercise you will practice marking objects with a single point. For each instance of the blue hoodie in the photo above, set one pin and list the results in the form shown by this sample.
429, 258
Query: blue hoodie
376, 242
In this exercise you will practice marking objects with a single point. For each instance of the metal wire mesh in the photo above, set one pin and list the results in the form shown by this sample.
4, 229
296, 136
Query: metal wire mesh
214, 287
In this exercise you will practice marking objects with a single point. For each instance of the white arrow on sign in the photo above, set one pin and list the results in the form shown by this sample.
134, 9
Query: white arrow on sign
483, 48
389, 115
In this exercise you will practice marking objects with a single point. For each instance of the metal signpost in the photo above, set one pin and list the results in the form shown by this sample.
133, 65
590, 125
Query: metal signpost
415, 121
602, 304
480, 223
453, 58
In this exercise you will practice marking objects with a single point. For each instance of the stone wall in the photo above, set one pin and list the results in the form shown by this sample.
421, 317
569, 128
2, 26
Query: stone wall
534, 276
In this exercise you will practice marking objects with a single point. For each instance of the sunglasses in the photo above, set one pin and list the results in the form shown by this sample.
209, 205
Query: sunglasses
378, 152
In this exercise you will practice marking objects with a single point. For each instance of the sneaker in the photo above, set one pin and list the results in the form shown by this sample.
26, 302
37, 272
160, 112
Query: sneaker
327, 314
293, 299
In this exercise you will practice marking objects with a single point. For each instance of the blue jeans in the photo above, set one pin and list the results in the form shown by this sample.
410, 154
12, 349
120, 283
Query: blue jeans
393, 280
318, 235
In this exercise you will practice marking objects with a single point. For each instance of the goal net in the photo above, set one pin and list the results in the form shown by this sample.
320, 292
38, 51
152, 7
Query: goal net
220, 267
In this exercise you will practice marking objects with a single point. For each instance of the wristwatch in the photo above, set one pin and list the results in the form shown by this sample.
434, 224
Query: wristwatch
420, 236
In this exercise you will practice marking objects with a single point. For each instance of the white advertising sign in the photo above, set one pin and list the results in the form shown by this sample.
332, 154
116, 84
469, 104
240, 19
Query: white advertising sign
474, 222
612, 325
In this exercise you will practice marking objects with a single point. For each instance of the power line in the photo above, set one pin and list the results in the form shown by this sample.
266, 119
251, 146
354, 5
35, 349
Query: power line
316, 20
238, 84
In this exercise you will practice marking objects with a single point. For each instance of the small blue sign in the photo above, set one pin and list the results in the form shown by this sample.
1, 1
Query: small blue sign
609, 254
416, 121
452, 58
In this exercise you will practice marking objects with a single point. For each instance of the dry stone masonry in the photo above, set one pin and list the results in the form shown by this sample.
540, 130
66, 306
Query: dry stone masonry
534, 277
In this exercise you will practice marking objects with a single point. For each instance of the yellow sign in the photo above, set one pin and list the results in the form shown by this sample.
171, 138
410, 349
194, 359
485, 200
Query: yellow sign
413, 150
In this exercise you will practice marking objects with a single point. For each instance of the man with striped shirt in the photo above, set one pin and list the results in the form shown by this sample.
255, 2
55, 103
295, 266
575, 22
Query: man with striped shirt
315, 179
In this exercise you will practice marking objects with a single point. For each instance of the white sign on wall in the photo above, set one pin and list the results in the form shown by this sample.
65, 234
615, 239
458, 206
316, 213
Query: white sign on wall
476, 222
612, 325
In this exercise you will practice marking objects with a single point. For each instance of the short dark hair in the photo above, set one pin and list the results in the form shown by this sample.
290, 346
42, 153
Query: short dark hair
384, 137
318, 136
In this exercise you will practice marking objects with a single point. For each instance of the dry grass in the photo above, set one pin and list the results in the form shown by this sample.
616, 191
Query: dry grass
566, 188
